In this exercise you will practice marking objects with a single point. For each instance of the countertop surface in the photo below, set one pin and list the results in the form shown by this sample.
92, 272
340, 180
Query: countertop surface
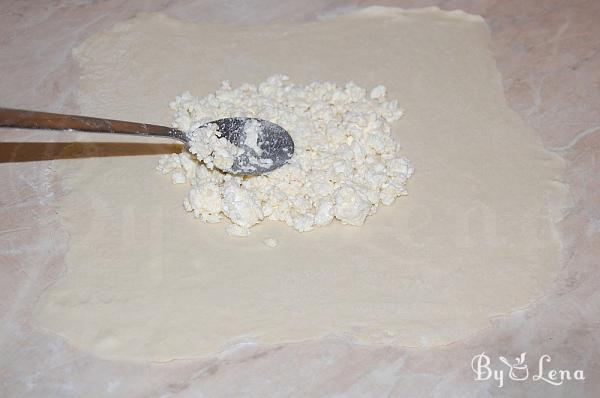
549, 55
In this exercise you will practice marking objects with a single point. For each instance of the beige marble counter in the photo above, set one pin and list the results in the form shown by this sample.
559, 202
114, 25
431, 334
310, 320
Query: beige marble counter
549, 55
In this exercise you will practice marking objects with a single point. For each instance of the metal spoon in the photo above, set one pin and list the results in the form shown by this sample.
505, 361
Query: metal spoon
276, 144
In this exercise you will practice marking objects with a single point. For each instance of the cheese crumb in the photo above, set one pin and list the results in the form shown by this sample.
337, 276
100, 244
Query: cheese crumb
212, 149
252, 130
271, 242
346, 161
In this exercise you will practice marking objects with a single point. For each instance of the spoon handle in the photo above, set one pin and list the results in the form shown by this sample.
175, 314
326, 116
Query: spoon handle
25, 119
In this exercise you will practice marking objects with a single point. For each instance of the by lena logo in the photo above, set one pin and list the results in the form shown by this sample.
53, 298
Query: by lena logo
519, 371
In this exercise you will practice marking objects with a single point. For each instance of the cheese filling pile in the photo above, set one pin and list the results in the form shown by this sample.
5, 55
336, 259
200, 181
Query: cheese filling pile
345, 164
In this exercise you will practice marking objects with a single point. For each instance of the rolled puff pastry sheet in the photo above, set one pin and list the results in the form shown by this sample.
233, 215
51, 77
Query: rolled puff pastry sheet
473, 239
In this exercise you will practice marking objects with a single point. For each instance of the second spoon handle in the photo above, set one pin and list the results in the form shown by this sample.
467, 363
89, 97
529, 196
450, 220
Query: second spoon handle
25, 119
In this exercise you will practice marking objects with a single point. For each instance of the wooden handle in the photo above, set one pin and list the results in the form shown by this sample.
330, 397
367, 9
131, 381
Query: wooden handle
24, 119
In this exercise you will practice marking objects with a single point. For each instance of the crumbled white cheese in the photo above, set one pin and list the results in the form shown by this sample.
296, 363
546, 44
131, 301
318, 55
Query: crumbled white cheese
212, 149
271, 242
346, 161
252, 131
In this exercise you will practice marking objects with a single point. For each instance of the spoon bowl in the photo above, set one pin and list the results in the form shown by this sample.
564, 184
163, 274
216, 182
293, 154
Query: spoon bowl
276, 145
